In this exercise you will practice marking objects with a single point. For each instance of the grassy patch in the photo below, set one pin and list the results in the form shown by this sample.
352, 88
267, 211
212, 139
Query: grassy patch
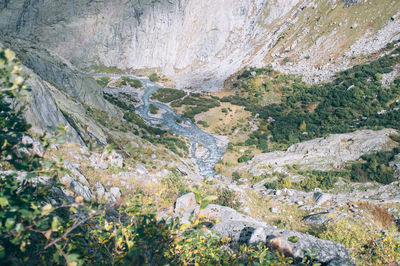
167, 95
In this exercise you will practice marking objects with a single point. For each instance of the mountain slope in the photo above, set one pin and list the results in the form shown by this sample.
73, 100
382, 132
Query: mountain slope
201, 43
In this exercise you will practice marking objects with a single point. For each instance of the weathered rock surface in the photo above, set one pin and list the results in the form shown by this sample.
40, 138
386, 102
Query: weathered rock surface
243, 229
200, 43
78, 188
323, 153
186, 208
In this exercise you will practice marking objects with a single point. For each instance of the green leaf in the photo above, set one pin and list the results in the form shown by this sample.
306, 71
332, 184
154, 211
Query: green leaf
3, 202
204, 204
55, 224
293, 239
9, 223
47, 209
73, 258
210, 198
2, 252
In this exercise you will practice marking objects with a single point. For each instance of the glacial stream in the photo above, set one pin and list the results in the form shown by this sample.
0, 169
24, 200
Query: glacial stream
206, 161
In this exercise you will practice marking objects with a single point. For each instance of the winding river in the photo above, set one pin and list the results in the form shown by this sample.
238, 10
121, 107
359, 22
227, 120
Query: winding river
206, 161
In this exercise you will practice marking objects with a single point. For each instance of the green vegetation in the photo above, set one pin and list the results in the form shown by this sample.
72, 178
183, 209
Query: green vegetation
313, 179
154, 77
375, 168
101, 68
153, 109
227, 197
247, 156
167, 95
103, 81
126, 81
369, 247
354, 100
195, 104
203, 123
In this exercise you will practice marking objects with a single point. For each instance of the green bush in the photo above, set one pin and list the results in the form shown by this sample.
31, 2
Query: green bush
167, 95
103, 81
376, 168
247, 156
154, 77
153, 109
227, 197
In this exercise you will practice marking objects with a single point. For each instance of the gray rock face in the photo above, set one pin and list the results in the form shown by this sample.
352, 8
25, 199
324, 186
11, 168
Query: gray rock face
100, 190
243, 229
115, 192
76, 187
185, 207
349, 3
81, 178
198, 43
57, 90
319, 219
321, 198
324, 153
37, 147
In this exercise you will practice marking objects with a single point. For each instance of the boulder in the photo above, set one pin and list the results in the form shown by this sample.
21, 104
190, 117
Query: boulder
320, 219
321, 198
116, 192
116, 159
100, 190
243, 229
75, 172
186, 208
78, 188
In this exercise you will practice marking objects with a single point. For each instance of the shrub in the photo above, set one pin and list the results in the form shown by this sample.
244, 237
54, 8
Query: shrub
103, 81
154, 77
227, 197
368, 246
153, 109
236, 176
245, 158
167, 95
376, 168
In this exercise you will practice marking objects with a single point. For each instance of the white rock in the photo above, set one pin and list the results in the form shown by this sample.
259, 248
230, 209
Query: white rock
185, 207
116, 192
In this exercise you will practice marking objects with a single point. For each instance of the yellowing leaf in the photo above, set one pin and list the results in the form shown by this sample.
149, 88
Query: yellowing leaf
47, 209
3, 202
10, 55
184, 226
79, 199
210, 198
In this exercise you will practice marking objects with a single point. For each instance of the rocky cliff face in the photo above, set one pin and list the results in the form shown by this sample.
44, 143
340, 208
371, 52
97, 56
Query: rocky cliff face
58, 89
201, 43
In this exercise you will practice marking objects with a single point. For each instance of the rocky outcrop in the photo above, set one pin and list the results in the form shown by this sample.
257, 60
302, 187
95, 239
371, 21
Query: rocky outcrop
349, 3
186, 208
243, 229
324, 153
58, 93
